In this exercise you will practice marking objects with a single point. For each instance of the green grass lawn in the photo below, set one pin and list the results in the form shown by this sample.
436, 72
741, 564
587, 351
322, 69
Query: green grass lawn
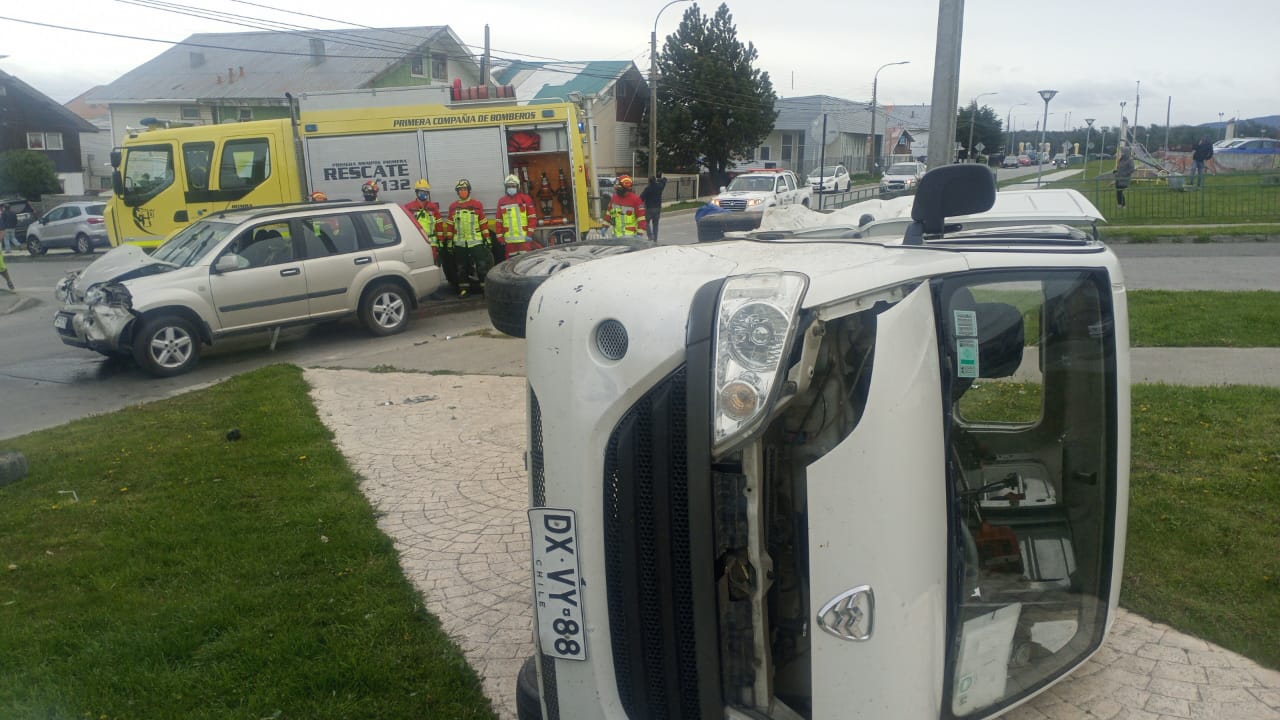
157, 570
1165, 318
1229, 198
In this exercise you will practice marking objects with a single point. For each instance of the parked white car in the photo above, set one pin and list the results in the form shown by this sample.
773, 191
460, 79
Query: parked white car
832, 178
902, 176
245, 270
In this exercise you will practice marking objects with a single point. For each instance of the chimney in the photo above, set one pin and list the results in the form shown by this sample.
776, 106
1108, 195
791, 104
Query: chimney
196, 58
241, 71
317, 51
231, 75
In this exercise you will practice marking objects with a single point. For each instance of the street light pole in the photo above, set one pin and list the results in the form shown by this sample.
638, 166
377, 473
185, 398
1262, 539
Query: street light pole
653, 91
1087, 135
1045, 95
1008, 123
973, 116
1224, 125
1123, 135
875, 81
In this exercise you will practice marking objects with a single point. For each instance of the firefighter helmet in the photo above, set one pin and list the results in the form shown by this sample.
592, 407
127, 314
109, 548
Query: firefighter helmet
624, 181
369, 189
422, 185
511, 180
463, 184
318, 196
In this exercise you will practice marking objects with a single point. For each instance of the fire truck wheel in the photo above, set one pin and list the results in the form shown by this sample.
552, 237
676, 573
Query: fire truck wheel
511, 283
528, 705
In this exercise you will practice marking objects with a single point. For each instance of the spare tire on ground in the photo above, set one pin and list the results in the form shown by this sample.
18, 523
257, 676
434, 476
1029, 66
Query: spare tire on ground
510, 284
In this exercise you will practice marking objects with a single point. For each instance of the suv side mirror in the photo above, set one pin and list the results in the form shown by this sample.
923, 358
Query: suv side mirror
229, 263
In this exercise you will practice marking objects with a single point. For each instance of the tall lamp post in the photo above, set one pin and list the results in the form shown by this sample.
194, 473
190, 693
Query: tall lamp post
1087, 135
875, 80
1045, 95
1224, 125
1123, 135
1008, 123
973, 116
653, 91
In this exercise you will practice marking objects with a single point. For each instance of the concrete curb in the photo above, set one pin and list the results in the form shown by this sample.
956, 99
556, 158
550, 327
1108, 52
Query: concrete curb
13, 303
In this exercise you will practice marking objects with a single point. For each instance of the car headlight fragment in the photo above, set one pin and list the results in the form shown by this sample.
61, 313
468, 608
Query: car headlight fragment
94, 295
755, 325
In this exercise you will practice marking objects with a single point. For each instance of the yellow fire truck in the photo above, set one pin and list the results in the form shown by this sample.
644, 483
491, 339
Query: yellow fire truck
167, 178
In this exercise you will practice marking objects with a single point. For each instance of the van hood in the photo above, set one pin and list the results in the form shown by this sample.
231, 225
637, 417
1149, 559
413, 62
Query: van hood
122, 263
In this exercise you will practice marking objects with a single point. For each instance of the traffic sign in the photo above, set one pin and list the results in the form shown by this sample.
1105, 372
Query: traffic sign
979, 147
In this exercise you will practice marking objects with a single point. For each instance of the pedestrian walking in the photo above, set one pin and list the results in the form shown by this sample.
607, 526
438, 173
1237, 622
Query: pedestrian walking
4, 272
1200, 154
652, 197
626, 210
9, 223
1124, 171
516, 218
467, 230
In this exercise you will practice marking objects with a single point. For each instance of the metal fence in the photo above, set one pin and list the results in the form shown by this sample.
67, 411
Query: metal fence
1176, 199
837, 200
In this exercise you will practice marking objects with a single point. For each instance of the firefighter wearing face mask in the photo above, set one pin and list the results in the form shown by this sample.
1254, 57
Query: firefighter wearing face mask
516, 220
467, 229
427, 215
625, 214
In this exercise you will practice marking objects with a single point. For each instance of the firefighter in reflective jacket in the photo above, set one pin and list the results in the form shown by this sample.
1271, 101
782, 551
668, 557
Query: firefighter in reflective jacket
516, 220
626, 210
466, 229
427, 215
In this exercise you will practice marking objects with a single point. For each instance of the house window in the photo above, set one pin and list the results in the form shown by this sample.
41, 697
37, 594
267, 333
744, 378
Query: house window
190, 112
787, 147
44, 141
439, 66
416, 67
246, 114
764, 152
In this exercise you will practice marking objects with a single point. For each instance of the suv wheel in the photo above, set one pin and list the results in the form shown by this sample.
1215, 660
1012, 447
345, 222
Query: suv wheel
84, 246
385, 309
168, 345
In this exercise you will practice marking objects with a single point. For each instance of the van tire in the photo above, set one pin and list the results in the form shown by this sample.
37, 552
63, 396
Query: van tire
528, 702
511, 283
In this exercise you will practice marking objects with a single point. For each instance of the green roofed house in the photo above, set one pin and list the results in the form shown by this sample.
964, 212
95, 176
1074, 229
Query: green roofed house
228, 77
618, 96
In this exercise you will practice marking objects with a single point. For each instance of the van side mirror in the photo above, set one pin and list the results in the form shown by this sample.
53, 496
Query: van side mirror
115, 157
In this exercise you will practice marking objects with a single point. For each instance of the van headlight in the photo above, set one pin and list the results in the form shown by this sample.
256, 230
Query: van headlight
755, 325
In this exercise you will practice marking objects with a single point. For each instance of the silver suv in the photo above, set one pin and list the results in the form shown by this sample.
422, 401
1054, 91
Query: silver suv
248, 269
74, 225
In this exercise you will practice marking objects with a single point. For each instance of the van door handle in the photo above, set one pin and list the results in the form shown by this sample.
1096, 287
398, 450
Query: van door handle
289, 272
363, 260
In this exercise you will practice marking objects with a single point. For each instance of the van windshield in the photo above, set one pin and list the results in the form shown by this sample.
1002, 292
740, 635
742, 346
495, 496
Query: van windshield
148, 169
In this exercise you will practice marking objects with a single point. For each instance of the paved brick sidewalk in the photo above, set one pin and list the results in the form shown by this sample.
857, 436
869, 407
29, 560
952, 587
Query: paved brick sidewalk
442, 461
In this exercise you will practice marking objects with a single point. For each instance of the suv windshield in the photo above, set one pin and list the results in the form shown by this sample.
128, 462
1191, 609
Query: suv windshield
192, 243
752, 183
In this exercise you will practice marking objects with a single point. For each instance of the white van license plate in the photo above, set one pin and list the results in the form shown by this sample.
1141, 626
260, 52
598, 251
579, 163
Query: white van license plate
557, 583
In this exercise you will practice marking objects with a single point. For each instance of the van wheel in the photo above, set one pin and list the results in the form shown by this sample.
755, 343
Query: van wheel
385, 309
511, 283
168, 345
84, 246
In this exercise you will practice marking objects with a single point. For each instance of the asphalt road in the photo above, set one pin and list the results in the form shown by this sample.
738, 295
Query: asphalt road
44, 383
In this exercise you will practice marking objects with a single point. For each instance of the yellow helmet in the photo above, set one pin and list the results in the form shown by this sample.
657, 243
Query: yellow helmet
422, 185
512, 180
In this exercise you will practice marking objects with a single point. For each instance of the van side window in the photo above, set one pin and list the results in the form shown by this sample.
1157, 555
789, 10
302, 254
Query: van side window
245, 164
381, 228
197, 159
325, 235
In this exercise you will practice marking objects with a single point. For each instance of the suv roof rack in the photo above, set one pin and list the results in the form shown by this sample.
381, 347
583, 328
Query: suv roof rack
255, 211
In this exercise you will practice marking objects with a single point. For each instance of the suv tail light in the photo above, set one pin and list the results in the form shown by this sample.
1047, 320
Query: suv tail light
95, 221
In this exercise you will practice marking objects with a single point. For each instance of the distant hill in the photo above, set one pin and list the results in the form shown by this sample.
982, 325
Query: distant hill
1268, 120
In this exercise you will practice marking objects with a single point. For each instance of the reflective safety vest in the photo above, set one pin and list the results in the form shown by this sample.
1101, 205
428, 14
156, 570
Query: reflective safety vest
468, 227
427, 221
624, 220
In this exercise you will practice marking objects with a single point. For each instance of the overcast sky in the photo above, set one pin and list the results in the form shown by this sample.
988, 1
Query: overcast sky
1210, 57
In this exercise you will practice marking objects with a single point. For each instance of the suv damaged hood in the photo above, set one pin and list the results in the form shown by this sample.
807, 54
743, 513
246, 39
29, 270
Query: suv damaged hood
122, 263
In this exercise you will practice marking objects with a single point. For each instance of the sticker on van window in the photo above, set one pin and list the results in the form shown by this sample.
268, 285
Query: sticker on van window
967, 357
966, 322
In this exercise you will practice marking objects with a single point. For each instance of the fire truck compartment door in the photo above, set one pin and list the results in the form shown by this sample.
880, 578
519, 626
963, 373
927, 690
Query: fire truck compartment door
477, 154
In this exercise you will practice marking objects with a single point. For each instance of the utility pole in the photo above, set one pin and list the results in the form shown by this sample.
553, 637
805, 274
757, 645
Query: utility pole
1168, 114
1137, 100
1088, 135
653, 92
946, 83
1045, 95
